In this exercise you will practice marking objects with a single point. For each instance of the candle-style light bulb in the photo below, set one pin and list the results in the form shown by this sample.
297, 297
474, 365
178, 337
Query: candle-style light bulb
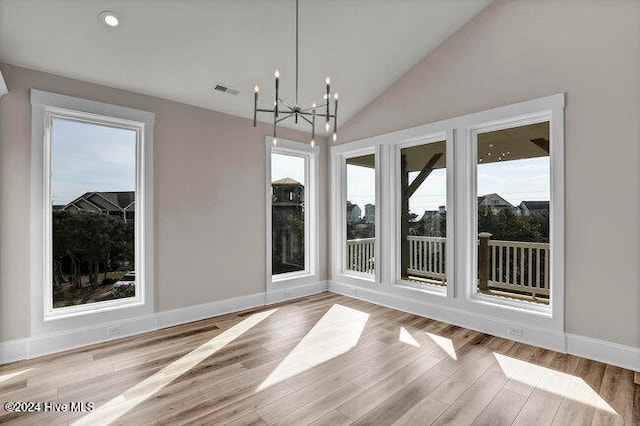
313, 105
327, 80
277, 73
313, 143
256, 88
327, 127
335, 136
335, 96
274, 142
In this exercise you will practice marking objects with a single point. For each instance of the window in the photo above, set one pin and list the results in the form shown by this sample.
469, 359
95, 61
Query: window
361, 214
92, 211
514, 196
291, 215
287, 213
93, 184
423, 213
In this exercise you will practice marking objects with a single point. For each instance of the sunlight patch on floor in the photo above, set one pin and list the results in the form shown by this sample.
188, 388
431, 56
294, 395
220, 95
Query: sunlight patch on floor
144, 390
445, 344
336, 333
406, 337
5, 377
552, 381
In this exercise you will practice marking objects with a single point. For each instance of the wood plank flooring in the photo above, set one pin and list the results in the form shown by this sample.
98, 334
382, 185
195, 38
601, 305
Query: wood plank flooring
322, 360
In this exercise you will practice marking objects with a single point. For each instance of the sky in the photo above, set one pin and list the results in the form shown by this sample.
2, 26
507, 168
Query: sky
283, 166
88, 157
515, 181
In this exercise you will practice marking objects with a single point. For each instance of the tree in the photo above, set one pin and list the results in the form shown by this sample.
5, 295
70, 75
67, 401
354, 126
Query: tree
89, 241
507, 226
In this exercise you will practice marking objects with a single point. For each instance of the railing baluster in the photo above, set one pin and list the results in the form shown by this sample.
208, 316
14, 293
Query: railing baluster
546, 268
500, 280
530, 267
493, 262
538, 268
432, 255
521, 271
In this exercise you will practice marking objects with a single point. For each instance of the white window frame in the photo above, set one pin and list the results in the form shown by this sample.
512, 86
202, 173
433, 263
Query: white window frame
542, 325
553, 115
340, 155
285, 280
396, 194
45, 107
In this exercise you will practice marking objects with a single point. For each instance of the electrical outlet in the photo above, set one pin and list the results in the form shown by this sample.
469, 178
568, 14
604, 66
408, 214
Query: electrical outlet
115, 330
514, 331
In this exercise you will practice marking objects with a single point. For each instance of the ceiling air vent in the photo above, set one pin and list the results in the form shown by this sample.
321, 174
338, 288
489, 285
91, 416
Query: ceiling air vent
225, 89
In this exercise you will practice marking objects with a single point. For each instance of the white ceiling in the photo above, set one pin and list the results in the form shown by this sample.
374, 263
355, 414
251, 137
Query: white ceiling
179, 49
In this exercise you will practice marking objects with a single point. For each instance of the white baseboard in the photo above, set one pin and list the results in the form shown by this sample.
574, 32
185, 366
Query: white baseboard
600, 350
31, 347
276, 296
208, 310
548, 339
13, 350
586, 347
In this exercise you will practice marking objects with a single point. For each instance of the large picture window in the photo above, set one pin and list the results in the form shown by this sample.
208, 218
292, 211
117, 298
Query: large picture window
93, 200
361, 214
423, 213
287, 213
91, 195
291, 215
514, 195
469, 219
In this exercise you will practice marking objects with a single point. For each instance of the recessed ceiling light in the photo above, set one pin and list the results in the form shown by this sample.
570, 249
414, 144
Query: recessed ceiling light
110, 19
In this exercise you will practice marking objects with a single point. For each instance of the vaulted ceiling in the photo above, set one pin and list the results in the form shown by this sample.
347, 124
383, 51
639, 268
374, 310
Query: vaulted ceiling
179, 50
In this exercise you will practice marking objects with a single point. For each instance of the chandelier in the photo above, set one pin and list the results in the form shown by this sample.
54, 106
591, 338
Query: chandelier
283, 110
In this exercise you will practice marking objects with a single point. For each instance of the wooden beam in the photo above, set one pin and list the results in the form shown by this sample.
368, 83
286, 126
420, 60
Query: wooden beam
541, 143
424, 174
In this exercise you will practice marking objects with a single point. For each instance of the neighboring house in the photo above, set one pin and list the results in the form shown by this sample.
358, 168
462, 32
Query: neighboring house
120, 204
287, 200
430, 215
528, 208
353, 213
369, 213
496, 203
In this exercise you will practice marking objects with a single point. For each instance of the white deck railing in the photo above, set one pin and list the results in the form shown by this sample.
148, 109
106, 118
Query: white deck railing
360, 255
522, 267
427, 257
519, 266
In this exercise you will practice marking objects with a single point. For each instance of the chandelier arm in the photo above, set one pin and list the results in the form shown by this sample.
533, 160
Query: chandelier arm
317, 114
306, 119
284, 118
265, 110
288, 105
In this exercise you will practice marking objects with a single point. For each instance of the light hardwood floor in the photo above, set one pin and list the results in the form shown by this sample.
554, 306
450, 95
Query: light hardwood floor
321, 360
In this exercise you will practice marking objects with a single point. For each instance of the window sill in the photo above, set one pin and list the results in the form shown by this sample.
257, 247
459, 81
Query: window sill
431, 289
291, 276
90, 309
529, 308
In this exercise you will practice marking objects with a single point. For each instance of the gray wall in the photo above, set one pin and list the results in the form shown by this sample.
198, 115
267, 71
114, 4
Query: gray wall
519, 50
209, 198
